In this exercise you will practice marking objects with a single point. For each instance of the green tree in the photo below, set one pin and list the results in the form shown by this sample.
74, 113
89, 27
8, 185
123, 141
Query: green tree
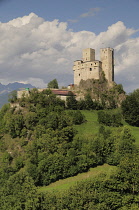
33, 96
12, 96
130, 108
76, 116
18, 192
119, 88
126, 143
31, 120
16, 124
81, 104
71, 102
52, 120
110, 118
89, 102
3, 112
53, 84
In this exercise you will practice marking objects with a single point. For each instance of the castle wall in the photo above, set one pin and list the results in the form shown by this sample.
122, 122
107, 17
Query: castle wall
89, 68
88, 55
107, 59
21, 93
62, 94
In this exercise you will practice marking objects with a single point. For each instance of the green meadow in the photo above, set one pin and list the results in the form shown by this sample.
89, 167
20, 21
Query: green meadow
65, 184
91, 126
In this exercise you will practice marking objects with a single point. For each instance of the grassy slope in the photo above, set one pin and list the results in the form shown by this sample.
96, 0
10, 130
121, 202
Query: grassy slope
92, 126
67, 183
87, 129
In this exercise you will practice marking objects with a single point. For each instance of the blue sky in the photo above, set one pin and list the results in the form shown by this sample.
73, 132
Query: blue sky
108, 12
30, 36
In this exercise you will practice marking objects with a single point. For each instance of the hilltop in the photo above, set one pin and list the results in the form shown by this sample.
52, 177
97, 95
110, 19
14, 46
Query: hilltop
44, 139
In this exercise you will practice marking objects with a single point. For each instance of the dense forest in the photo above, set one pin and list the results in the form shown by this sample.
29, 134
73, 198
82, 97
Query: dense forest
39, 144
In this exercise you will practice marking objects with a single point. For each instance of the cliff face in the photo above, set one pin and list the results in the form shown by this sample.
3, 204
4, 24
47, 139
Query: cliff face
109, 95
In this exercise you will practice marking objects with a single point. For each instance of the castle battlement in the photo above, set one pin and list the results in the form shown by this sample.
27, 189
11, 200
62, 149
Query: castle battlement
89, 68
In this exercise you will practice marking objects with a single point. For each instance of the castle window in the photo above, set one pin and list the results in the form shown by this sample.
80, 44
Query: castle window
90, 69
79, 74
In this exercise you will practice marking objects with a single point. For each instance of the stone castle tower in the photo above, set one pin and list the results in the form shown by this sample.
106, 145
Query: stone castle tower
89, 68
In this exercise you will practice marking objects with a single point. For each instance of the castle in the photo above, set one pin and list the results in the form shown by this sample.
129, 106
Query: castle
89, 68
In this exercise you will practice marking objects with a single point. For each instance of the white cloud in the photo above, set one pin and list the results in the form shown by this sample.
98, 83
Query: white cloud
35, 81
73, 20
31, 18
91, 12
37, 51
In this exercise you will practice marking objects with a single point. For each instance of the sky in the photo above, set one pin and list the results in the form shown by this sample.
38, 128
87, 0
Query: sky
40, 40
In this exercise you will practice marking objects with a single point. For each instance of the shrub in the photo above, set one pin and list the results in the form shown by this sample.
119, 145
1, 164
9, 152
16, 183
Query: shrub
110, 118
77, 117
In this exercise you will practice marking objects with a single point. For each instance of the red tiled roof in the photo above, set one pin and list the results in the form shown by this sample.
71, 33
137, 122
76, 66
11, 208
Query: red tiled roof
63, 92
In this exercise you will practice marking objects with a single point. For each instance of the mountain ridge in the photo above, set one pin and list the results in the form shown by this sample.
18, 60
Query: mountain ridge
6, 89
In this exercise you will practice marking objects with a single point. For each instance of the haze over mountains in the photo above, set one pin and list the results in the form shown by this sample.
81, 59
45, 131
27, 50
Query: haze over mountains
6, 89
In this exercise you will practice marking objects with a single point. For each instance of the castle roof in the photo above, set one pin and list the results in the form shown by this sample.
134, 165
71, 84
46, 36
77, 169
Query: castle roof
62, 92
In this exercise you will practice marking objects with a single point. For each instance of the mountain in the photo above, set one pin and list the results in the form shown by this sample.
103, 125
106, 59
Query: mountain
13, 86
6, 89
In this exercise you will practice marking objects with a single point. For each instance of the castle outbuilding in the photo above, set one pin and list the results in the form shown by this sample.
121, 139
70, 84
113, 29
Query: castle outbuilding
89, 68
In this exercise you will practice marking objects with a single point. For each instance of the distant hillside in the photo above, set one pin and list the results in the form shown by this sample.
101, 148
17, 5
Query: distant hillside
6, 89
